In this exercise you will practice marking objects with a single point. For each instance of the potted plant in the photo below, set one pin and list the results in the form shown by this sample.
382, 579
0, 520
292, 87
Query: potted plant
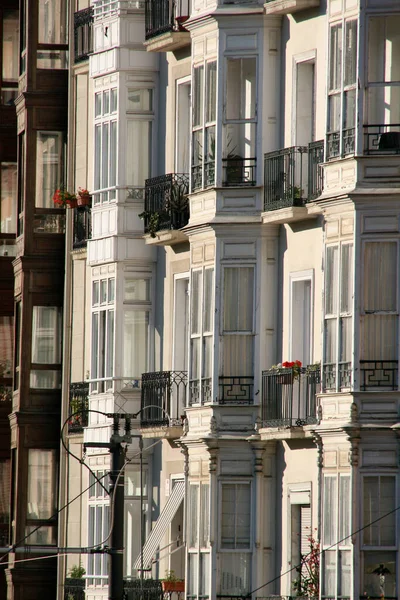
171, 583
62, 198
84, 197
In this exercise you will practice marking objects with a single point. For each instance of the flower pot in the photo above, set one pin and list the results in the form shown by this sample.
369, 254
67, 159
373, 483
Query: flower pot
84, 199
173, 586
71, 203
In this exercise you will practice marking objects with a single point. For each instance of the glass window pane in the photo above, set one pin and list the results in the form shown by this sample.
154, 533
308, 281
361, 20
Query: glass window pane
105, 156
136, 343
380, 276
377, 585
95, 344
198, 96
379, 499
235, 516
103, 291
6, 345
137, 290
235, 578
384, 105
334, 113
114, 100
208, 306
97, 157
106, 102
379, 337
97, 104
330, 511
346, 279
113, 154
95, 292
110, 344
344, 573
205, 515
47, 379
111, 290
335, 58
140, 100
331, 280
238, 286
193, 572
42, 484
196, 301
195, 359
238, 357
350, 64
49, 167
204, 585
138, 145
52, 22
46, 335
5, 490
349, 109
211, 74
329, 574
10, 56
8, 200
193, 516
344, 511
345, 339
383, 48
241, 88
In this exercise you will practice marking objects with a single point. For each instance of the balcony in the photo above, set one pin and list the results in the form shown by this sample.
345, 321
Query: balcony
166, 208
292, 177
239, 172
148, 589
165, 29
163, 401
74, 589
78, 401
288, 7
83, 34
288, 398
231, 390
82, 226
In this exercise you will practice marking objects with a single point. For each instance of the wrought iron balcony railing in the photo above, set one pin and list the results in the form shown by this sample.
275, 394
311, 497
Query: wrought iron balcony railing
78, 401
382, 139
83, 33
379, 375
236, 390
162, 16
337, 377
163, 398
239, 171
74, 589
333, 149
289, 398
82, 226
147, 589
166, 204
293, 176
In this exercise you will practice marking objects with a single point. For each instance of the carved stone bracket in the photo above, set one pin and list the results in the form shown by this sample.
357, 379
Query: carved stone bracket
320, 454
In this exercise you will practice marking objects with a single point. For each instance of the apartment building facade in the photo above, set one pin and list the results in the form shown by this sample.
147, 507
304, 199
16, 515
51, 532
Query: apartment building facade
243, 163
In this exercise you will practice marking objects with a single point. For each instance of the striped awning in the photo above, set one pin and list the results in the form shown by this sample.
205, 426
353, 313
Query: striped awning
161, 526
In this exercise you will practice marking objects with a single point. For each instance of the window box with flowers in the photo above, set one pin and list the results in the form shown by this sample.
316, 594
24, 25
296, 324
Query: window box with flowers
172, 584
63, 199
288, 371
84, 197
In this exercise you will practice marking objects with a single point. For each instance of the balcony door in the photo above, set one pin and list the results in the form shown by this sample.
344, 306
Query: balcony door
304, 99
181, 322
301, 317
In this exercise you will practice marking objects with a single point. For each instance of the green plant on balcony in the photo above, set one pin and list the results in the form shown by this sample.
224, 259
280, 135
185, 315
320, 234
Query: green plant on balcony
77, 571
172, 583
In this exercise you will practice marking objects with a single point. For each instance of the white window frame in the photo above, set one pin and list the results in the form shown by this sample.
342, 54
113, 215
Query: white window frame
105, 194
144, 306
101, 384
95, 502
295, 277
183, 82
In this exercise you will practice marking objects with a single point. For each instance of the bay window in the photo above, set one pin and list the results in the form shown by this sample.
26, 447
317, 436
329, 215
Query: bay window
41, 496
102, 362
379, 316
342, 89
46, 347
8, 197
199, 542
136, 327
10, 56
201, 335
105, 146
203, 123
52, 50
336, 539
338, 317
240, 122
379, 539
235, 539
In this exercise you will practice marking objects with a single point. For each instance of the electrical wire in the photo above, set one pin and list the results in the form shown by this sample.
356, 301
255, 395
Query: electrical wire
68, 451
296, 567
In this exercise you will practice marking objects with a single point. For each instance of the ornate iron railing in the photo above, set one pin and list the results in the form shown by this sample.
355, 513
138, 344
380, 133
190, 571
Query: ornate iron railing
315, 172
162, 16
239, 171
163, 398
74, 589
148, 589
289, 398
83, 34
166, 204
236, 390
333, 149
337, 377
378, 374
78, 401
285, 178
382, 139
82, 226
